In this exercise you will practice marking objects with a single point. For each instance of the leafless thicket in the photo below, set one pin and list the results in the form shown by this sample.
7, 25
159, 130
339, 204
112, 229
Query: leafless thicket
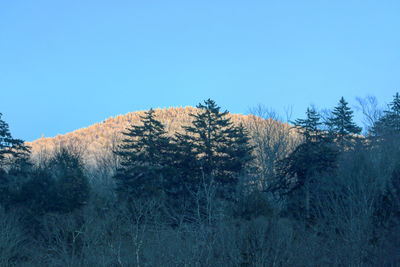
272, 140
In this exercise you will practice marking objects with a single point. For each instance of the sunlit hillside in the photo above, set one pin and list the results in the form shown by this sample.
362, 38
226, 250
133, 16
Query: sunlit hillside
101, 138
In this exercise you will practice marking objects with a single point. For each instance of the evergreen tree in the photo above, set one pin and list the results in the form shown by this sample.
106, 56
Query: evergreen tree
389, 123
341, 123
310, 126
10, 148
59, 185
221, 150
39, 195
14, 165
71, 184
315, 155
186, 165
145, 159
240, 153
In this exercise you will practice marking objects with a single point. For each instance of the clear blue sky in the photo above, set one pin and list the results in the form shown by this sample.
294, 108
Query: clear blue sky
68, 64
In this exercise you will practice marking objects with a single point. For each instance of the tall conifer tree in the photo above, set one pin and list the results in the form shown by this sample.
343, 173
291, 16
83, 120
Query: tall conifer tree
9, 146
390, 121
315, 155
341, 123
221, 149
144, 157
14, 163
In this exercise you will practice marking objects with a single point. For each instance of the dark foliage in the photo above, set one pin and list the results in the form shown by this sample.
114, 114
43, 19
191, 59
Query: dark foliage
58, 186
341, 125
145, 160
217, 151
14, 165
71, 184
314, 156
389, 123
328, 206
10, 148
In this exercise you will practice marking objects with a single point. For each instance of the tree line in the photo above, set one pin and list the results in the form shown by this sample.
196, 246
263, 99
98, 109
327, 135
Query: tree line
211, 153
334, 189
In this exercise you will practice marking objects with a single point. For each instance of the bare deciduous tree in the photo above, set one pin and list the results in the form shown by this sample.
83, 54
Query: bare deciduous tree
273, 140
371, 111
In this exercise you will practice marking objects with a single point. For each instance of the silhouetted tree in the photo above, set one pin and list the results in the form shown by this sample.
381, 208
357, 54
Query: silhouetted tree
389, 123
39, 195
341, 124
371, 112
145, 159
272, 141
221, 150
71, 183
58, 185
10, 148
187, 170
240, 151
14, 165
315, 155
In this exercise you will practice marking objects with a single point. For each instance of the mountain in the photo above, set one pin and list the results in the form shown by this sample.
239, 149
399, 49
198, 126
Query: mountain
100, 139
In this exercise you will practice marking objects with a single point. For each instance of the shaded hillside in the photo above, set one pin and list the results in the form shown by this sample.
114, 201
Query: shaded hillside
98, 140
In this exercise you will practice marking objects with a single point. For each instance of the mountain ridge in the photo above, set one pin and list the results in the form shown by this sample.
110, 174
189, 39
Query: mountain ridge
103, 137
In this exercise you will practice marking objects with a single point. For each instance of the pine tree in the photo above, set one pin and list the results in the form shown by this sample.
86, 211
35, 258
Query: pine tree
59, 185
185, 162
221, 150
315, 155
39, 195
310, 127
10, 148
145, 159
14, 165
240, 154
390, 122
341, 124
72, 186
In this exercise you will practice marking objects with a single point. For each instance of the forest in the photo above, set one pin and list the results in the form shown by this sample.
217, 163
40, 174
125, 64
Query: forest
207, 188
